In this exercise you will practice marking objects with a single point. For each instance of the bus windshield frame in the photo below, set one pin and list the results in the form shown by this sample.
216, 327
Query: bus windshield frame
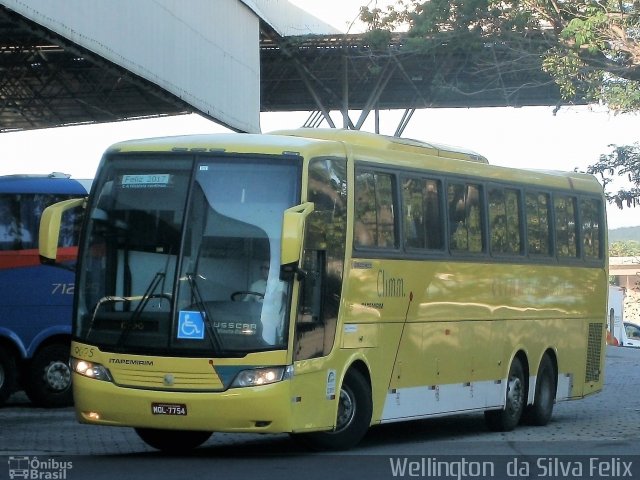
181, 255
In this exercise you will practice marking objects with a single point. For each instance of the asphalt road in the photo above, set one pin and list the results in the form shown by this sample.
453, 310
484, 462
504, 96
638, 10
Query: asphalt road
598, 437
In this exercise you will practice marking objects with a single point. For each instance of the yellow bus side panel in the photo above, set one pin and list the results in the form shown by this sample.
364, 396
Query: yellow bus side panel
459, 326
315, 390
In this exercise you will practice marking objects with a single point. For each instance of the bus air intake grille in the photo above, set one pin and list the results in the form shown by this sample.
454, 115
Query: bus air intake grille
191, 381
594, 353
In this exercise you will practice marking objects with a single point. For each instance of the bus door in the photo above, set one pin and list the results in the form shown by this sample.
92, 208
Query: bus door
315, 383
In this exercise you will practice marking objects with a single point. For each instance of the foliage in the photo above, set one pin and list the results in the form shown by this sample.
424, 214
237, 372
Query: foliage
622, 161
599, 50
590, 48
624, 249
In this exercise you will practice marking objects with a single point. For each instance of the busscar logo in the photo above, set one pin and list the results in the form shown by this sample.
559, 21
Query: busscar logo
38, 469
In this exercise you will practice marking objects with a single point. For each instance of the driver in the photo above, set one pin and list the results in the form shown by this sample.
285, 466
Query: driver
260, 285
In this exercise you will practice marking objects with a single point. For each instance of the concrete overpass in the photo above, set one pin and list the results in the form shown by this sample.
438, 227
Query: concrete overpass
626, 270
70, 62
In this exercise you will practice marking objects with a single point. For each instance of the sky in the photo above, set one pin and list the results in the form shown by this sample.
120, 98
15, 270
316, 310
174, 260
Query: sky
529, 137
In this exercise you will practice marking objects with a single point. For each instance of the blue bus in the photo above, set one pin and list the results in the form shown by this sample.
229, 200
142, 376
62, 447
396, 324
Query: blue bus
36, 299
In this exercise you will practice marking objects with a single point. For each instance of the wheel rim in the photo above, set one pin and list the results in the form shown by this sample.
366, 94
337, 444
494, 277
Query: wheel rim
346, 409
515, 394
57, 376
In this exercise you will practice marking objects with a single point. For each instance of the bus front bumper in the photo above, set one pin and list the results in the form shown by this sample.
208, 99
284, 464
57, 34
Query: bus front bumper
262, 409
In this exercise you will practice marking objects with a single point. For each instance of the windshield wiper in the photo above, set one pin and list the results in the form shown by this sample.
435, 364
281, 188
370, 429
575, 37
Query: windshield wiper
144, 301
214, 336
108, 299
116, 299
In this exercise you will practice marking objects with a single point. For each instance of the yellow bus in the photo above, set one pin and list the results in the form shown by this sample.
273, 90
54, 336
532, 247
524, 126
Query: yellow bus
320, 282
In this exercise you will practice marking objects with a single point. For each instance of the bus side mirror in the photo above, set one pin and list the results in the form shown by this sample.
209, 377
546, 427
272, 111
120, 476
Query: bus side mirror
49, 233
292, 237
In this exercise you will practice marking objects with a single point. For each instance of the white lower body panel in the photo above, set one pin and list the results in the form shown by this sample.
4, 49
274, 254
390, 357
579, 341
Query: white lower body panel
438, 400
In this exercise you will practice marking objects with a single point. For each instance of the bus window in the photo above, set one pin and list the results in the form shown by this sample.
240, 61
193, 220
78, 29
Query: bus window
374, 216
20, 217
537, 211
422, 214
465, 218
504, 221
323, 259
70, 227
14, 234
565, 214
590, 218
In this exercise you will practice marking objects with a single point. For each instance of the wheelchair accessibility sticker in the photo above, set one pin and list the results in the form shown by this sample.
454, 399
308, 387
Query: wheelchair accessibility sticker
190, 325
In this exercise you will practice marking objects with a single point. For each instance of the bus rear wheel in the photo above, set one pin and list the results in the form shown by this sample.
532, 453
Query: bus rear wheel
355, 408
506, 419
49, 377
540, 412
173, 441
7, 375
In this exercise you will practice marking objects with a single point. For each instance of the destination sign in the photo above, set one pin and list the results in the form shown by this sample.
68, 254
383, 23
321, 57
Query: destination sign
154, 180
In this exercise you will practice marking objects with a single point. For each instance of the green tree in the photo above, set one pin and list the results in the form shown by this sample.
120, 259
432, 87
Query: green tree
590, 48
621, 162
624, 249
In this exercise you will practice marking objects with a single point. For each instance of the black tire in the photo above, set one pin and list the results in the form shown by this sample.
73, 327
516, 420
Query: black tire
7, 376
48, 381
355, 409
173, 441
540, 412
506, 419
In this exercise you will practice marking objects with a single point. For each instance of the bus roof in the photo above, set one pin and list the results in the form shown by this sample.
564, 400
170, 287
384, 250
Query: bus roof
212, 142
385, 142
440, 157
304, 136
52, 183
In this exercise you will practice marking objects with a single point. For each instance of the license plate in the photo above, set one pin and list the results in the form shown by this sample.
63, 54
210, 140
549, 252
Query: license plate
168, 409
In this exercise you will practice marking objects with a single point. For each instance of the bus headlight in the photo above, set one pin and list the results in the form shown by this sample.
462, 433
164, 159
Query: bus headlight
90, 370
262, 376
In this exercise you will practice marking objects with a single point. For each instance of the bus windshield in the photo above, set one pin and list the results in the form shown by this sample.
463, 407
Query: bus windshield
182, 257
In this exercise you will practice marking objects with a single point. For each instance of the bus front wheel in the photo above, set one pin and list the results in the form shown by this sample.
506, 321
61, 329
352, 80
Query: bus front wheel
355, 408
173, 441
7, 375
49, 377
506, 419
